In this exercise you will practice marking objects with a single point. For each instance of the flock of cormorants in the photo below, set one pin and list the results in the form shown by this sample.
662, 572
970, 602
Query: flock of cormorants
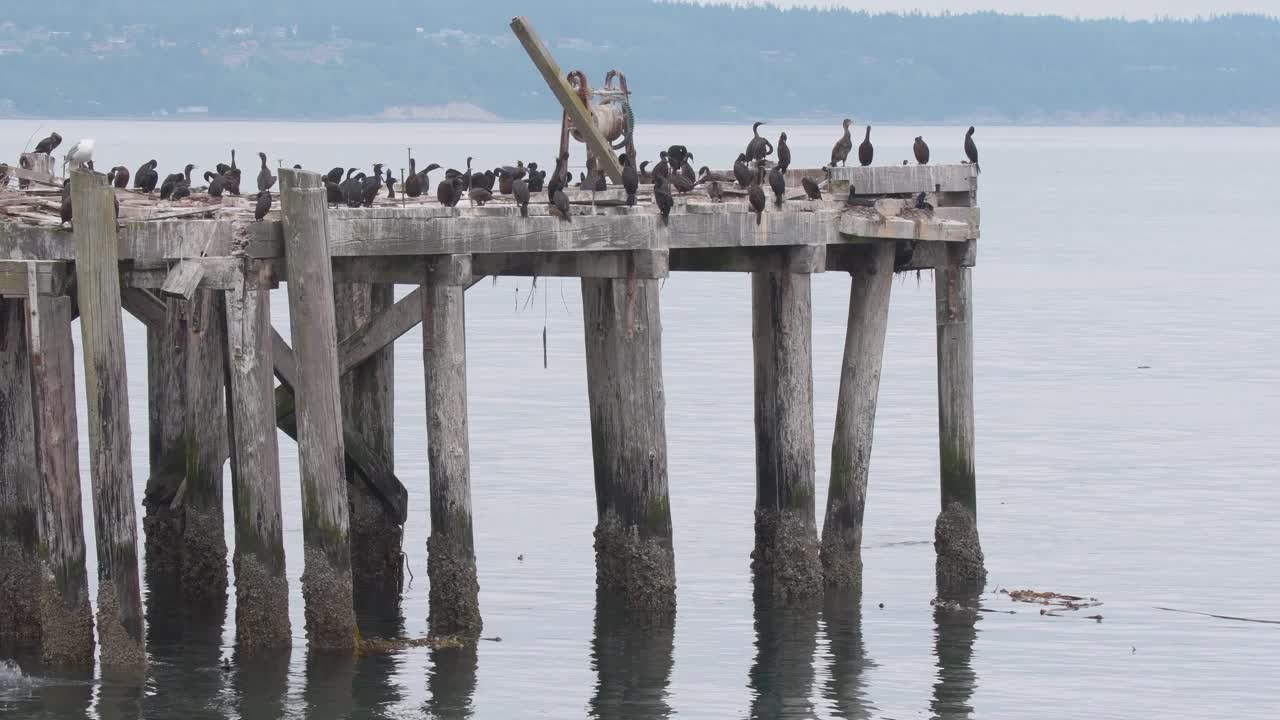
671, 174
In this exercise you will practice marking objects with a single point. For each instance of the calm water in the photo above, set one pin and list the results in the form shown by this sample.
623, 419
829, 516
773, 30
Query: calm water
1103, 250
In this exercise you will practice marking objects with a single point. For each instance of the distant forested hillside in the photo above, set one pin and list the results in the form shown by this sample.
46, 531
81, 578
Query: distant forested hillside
325, 59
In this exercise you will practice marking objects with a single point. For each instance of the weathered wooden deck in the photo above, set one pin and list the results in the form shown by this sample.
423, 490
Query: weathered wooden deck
198, 274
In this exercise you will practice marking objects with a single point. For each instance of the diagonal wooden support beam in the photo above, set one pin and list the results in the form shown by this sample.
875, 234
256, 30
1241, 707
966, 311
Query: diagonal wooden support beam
384, 329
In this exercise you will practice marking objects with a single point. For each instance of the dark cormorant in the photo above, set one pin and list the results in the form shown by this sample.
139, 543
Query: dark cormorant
170, 182
866, 151
759, 148
778, 183
479, 195
332, 192
424, 177
296, 166
182, 188
265, 178
520, 189
560, 205
146, 177
120, 177
66, 201
811, 188
49, 144
449, 191
351, 194
677, 155
264, 205
922, 203
662, 197
466, 176
741, 172
840, 151
216, 183
921, 150
856, 201
687, 170
413, 183
536, 178
971, 149
644, 172
681, 183
630, 180
232, 183
390, 182
663, 168
600, 183
755, 195
485, 181
334, 175
784, 153
371, 185
714, 191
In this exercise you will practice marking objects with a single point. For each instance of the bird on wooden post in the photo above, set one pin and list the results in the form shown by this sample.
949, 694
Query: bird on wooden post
866, 151
120, 177
784, 153
840, 151
630, 180
79, 156
778, 183
811, 188
755, 195
265, 178
263, 207
66, 201
971, 149
662, 197
758, 148
921, 150
49, 144
741, 172
520, 189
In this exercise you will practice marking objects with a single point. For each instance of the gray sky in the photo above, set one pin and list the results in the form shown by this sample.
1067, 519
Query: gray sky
1132, 9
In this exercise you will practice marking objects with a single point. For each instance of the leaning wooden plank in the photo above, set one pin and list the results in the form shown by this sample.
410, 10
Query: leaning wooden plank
326, 579
583, 121
65, 616
182, 280
106, 387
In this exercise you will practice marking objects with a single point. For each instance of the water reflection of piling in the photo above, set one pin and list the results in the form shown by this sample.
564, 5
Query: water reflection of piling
452, 682
632, 656
842, 622
184, 644
260, 681
781, 679
953, 639
330, 677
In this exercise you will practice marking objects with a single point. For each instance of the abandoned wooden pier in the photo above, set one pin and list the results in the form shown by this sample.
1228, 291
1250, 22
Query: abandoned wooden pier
199, 277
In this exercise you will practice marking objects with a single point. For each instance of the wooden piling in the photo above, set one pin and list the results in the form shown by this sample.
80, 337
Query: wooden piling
19, 487
326, 579
166, 436
65, 617
960, 571
262, 591
623, 328
451, 558
368, 410
106, 386
786, 557
204, 547
869, 291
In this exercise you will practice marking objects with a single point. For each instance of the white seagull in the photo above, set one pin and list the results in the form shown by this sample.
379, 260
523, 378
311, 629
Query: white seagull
79, 155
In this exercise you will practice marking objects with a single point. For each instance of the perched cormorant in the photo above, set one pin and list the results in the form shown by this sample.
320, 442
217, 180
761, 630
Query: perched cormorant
784, 153
536, 178
66, 201
758, 148
663, 168
265, 178
146, 177
449, 191
630, 180
166, 187
922, 203
413, 183
921, 150
856, 201
216, 183
681, 182
866, 151
485, 181
755, 195
231, 181
120, 177
264, 205
371, 185
334, 175
332, 192
49, 144
662, 197
466, 177
424, 177
520, 189
182, 187
351, 193
705, 175
811, 188
840, 151
600, 183
677, 155
687, 170
390, 182
971, 149
80, 154
479, 195
741, 172
560, 205
778, 183
296, 166
644, 172
714, 191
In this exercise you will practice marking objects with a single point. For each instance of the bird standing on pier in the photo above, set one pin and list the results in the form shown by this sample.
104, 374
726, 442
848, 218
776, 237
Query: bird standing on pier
778, 183
560, 205
146, 177
371, 185
866, 151
755, 195
971, 149
216, 183
758, 148
677, 155
352, 188
424, 177
741, 172
681, 182
265, 178
182, 187
854, 201
784, 153
662, 198
811, 189
390, 182
921, 150
536, 178
630, 180
80, 155
413, 183
644, 171
466, 176
120, 177
49, 144
922, 203
480, 196
663, 168
449, 191
66, 201
840, 151
264, 205
520, 190
686, 169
